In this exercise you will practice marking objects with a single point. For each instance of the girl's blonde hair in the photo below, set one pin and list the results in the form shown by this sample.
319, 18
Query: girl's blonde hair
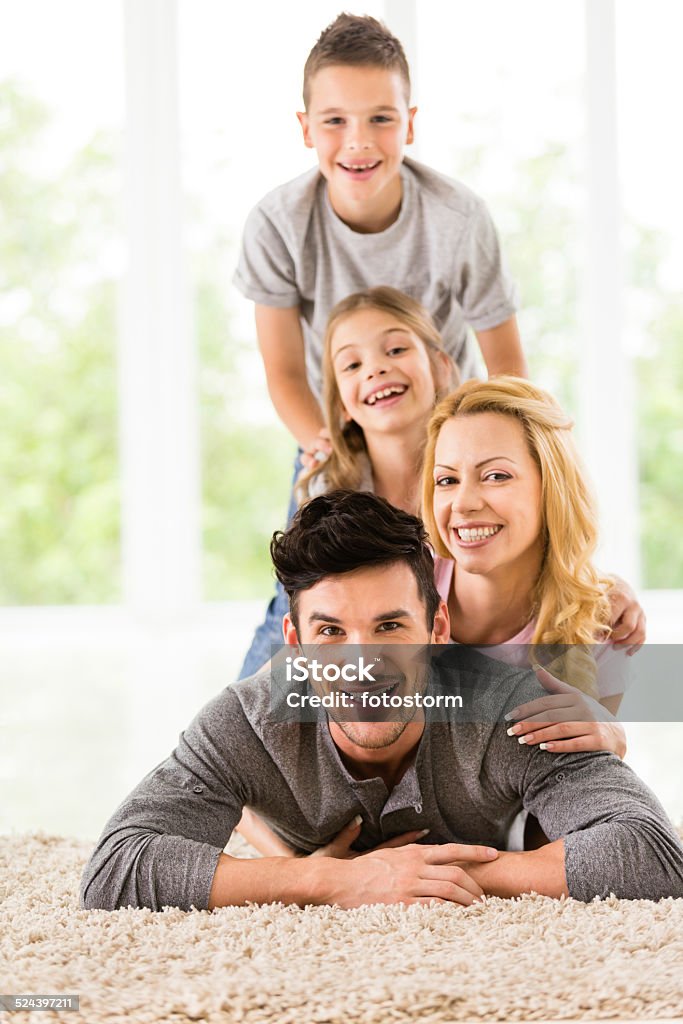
569, 598
343, 468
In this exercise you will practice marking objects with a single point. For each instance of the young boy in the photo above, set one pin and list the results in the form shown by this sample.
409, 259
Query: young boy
366, 217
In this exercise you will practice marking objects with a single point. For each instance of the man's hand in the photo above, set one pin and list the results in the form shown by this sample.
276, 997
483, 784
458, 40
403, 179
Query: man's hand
411, 874
566, 722
627, 619
340, 846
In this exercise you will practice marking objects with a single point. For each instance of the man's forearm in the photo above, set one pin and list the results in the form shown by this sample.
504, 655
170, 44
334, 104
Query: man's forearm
275, 880
512, 874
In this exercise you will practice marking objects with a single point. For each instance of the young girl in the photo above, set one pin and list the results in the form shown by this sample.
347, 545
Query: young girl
513, 526
384, 367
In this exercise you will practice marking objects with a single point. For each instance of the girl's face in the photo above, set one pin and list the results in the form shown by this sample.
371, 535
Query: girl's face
487, 495
382, 370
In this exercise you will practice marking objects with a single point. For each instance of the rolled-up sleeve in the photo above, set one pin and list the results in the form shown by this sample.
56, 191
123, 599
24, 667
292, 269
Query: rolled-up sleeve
617, 836
265, 272
161, 846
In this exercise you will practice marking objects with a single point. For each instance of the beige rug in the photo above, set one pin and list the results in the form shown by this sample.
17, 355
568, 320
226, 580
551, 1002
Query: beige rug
528, 959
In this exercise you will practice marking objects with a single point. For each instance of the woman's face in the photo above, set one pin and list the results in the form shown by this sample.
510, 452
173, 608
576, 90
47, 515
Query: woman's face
383, 372
487, 495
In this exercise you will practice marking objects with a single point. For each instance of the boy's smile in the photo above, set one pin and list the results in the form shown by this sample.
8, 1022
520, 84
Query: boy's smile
358, 122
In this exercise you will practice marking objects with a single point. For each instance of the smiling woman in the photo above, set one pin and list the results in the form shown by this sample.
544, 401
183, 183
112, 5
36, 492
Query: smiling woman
512, 519
489, 509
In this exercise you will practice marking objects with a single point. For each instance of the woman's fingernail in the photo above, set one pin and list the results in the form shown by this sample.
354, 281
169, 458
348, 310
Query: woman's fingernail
510, 715
523, 739
543, 746
358, 820
422, 833
513, 730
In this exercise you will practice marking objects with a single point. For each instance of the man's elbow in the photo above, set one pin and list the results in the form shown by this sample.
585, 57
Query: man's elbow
102, 885
94, 897
631, 857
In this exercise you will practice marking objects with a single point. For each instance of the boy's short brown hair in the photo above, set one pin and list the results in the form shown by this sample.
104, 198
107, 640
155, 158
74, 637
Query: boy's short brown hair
357, 41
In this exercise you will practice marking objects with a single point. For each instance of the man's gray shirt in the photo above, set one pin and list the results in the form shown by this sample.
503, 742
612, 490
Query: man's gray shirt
467, 783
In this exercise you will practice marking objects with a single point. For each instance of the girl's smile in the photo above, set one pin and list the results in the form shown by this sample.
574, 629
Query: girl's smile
383, 371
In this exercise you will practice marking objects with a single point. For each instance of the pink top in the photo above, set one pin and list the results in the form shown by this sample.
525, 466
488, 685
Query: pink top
613, 665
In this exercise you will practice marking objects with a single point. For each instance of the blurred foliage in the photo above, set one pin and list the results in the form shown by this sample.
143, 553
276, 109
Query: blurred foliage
60, 514
660, 446
537, 218
246, 467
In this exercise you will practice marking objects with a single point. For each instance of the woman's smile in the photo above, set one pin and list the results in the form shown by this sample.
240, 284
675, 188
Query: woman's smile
487, 495
471, 535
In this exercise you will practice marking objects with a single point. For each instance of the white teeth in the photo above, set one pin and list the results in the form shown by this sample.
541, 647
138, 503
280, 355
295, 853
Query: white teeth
385, 689
478, 533
395, 389
359, 167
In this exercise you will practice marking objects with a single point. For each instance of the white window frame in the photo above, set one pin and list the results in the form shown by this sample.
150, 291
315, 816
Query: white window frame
158, 393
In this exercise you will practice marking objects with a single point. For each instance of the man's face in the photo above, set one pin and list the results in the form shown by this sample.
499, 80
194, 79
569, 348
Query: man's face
373, 606
358, 122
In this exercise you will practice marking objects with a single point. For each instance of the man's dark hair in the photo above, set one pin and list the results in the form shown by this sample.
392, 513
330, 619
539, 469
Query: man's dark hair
357, 41
346, 530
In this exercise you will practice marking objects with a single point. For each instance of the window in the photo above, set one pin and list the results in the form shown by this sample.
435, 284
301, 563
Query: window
61, 115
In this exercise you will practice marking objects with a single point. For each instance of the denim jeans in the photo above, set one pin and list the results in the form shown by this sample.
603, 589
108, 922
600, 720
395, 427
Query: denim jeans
269, 633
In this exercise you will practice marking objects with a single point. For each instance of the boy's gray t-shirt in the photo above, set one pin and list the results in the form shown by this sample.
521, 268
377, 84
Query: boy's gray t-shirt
443, 250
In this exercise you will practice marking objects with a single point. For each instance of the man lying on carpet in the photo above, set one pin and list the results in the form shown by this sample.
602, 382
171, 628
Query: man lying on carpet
358, 571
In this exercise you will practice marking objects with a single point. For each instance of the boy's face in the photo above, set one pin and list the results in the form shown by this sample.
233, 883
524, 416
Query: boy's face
358, 122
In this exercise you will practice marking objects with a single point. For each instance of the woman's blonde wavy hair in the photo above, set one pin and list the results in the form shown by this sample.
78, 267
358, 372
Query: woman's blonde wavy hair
343, 468
570, 603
